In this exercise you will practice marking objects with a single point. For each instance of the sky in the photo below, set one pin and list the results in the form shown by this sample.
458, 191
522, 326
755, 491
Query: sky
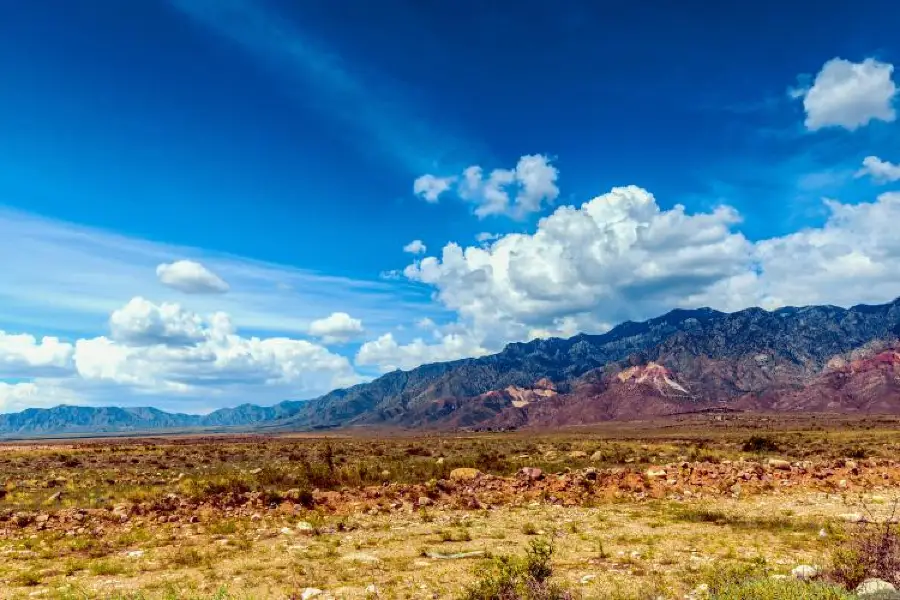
211, 202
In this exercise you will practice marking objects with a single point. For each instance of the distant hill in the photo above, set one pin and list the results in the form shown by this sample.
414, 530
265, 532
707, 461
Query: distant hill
111, 419
815, 358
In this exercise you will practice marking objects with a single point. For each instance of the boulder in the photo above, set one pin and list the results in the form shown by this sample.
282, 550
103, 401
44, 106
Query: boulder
876, 589
464, 474
777, 463
804, 572
532, 473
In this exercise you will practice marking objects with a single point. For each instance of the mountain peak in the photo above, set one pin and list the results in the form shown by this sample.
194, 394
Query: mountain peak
701, 356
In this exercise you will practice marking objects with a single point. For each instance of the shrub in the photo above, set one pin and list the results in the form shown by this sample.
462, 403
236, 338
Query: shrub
872, 551
518, 578
760, 443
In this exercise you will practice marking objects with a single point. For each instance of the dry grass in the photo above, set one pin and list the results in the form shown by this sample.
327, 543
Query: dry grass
618, 548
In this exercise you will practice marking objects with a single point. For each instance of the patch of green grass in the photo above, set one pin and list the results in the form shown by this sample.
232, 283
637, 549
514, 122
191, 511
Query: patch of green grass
780, 589
106, 568
28, 578
189, 558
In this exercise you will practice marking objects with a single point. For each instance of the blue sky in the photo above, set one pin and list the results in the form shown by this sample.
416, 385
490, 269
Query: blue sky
269, 151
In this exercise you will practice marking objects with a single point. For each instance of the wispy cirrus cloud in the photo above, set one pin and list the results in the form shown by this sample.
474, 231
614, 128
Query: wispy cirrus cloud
58, 277
379, 111
85, 319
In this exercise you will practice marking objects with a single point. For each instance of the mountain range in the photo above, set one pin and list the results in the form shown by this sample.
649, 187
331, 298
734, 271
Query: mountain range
815, 359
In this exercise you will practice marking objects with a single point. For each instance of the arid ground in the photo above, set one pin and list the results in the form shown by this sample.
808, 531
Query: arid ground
649, 510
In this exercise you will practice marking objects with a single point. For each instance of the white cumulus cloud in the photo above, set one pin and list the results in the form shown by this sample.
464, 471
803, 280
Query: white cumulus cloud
525, 189
430, 187
23, 355
851, 259
190, 277
620, 257
415, 247
879, 170
336, 328
209, 358
19, 396
388, 355
849, 95
616, 255
143, 323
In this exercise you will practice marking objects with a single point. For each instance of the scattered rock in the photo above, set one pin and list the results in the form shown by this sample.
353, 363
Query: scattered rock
464, 473
804, 572
42, 518
532, 473
872, 589
361, 557
701, 592
777, 463
305, 527
457, 555
852, 517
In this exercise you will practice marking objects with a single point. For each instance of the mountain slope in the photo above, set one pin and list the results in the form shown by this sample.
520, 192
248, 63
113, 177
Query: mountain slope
790, 359
719, 356
89, 419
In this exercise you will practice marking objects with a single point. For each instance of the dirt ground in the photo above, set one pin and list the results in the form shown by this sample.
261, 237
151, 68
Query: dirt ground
630, 515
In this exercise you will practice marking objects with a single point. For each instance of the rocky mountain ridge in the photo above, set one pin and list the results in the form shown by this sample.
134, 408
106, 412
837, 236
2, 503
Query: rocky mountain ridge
816, 358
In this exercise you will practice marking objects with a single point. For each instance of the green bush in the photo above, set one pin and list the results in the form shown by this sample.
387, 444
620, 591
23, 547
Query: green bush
518, 578
760, 443
873, 550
